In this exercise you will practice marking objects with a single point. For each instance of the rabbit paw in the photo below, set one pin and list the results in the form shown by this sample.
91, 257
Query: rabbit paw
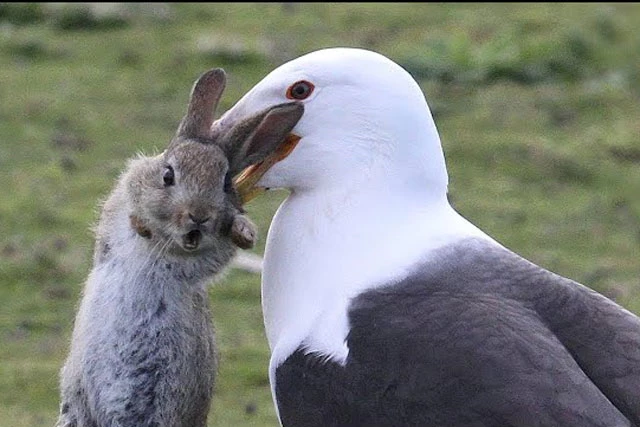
243, 232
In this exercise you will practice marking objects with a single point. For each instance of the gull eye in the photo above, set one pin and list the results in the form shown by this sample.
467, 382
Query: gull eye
168, 176
300, 90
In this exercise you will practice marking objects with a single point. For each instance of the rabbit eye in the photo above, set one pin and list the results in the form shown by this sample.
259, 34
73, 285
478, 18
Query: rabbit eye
168, 176
300, 90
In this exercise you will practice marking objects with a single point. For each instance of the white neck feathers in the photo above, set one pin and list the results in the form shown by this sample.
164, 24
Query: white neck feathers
325, 248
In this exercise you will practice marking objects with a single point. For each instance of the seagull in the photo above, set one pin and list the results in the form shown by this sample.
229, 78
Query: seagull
383, 306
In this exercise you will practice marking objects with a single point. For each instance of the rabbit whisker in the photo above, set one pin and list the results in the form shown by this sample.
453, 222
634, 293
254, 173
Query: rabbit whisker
147, 260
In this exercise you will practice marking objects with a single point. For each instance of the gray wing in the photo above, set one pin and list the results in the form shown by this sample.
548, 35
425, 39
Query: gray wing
477, 337
602, 337
461, 358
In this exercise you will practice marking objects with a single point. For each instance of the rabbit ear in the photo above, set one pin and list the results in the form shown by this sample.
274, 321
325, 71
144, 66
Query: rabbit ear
253, 139
204, 99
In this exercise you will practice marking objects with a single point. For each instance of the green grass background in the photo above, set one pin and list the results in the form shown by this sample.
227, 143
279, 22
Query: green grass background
538, 107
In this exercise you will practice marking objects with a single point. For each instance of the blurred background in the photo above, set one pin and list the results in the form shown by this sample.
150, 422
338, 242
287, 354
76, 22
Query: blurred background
538, 108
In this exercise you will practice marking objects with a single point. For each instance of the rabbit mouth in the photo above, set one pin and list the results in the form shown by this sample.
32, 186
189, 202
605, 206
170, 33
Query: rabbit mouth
191, 240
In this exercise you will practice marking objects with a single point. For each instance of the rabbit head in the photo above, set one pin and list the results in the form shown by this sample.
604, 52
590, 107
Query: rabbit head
185, 198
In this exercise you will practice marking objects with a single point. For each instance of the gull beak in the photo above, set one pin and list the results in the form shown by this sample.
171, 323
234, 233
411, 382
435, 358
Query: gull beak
245, 182
255, 141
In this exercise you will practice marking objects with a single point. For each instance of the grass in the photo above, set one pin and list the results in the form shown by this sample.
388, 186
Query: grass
536, 104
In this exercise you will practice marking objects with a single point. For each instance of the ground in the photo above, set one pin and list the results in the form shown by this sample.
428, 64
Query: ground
537, 106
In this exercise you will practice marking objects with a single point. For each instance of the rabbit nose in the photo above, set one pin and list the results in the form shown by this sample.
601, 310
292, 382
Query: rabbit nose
198, 220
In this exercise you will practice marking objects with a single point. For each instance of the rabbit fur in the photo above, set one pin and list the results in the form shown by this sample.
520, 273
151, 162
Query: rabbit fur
143, 351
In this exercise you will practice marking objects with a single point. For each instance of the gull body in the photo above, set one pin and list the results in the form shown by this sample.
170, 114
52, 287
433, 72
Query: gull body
384, 306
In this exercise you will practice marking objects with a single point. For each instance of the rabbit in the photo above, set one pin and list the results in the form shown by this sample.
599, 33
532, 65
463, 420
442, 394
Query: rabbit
143, 351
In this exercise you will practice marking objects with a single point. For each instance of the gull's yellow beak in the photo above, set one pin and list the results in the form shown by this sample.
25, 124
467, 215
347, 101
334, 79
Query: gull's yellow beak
245, 182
